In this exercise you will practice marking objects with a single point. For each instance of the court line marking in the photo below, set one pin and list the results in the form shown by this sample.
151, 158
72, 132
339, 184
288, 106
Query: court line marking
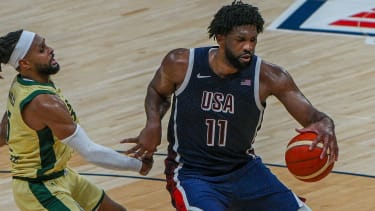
159, 179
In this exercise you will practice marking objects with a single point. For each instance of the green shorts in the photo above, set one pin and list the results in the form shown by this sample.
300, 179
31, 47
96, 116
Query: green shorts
68, 192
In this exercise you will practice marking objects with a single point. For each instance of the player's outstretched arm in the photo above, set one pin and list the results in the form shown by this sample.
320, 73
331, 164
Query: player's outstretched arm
100, 155
49, 111
276, 81
166, 80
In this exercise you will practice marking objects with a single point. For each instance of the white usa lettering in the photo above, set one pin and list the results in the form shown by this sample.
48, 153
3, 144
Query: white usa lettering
217, 102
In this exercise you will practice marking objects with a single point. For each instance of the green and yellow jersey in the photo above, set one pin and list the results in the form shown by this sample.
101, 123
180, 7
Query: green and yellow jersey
34, 154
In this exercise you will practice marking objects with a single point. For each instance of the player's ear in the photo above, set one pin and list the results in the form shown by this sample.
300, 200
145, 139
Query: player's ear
219, 39
24, 64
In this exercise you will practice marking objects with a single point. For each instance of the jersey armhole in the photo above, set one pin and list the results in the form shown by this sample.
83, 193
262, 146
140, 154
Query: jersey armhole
29, 98
188, 73
256, 84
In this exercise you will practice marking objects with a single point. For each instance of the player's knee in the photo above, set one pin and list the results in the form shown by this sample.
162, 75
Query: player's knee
109, 204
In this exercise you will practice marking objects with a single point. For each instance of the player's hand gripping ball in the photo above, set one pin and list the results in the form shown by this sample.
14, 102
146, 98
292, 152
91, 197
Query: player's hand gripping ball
304, 164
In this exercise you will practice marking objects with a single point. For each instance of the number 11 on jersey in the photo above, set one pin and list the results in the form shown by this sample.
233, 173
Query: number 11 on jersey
212, 125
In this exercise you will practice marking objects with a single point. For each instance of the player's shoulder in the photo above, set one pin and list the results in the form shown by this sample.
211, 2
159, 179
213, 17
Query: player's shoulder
271, 71
45, 102
178, 55
271, 67
179, 51
176, 59
275, 79
174, 66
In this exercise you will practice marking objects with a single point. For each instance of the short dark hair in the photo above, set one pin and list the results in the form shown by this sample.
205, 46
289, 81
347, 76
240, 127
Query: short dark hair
7, 45
236, 14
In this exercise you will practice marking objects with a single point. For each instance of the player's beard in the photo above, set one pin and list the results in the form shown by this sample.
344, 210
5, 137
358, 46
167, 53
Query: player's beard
48, 69
235, 61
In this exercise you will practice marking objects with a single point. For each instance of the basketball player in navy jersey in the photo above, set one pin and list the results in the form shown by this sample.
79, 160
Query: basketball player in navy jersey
219, 96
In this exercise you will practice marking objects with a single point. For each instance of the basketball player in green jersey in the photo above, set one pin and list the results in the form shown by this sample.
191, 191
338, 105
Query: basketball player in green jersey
42, 130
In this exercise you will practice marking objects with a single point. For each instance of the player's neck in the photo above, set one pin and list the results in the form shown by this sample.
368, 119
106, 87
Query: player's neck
220, 65
38, 78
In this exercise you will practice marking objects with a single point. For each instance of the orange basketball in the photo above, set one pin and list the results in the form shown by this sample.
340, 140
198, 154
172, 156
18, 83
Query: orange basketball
304, 164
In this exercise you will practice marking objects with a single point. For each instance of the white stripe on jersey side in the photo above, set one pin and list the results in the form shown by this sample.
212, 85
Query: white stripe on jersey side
257, 98
256, 84
179, 91
176, 145
188, 73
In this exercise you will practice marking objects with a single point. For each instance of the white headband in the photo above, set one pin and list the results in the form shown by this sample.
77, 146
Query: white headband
22, 47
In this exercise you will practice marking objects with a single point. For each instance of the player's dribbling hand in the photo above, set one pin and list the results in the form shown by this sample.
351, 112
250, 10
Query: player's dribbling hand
326, 136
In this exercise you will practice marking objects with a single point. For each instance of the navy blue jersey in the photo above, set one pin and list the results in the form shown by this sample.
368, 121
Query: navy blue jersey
214, 120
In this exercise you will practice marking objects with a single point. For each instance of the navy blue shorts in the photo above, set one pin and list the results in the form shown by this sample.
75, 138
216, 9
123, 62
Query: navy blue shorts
252, 187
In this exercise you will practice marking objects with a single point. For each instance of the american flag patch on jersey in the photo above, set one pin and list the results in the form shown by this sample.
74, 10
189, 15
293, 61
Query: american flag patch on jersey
246, 82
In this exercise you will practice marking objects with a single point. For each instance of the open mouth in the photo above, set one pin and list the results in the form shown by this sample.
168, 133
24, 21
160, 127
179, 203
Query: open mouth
53, 61
245, 58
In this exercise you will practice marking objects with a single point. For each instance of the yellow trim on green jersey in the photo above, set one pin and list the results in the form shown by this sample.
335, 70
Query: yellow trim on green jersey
34, 154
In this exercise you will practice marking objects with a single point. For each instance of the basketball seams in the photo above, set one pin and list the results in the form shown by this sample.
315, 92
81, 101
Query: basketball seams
315, 174
302, 143
305, 143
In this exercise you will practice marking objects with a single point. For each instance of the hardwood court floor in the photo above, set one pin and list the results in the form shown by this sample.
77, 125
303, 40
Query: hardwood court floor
109, 51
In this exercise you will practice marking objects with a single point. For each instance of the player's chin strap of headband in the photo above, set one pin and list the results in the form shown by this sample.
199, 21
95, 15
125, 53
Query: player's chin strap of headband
22, 47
